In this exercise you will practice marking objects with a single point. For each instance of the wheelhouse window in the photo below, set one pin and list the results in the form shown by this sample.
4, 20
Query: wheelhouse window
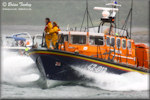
112, 42
118, 43
78, 39
63, 38
129, 44
96, 40
123, 44
108, 41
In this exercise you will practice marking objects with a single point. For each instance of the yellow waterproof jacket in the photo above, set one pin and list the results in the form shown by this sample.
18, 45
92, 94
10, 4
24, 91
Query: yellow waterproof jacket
54, 30
48, 27
54, 34
48, 37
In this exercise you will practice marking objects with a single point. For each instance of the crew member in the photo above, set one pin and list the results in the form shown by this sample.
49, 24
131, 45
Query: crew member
47, 30
107, 30
54, 34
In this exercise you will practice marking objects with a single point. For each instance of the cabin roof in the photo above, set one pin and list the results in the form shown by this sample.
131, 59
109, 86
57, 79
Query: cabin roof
81, 33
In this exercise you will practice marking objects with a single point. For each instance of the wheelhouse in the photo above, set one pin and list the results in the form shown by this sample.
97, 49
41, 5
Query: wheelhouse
81, 38
108, 47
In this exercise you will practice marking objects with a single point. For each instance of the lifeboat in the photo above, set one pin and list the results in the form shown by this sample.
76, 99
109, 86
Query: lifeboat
93, 51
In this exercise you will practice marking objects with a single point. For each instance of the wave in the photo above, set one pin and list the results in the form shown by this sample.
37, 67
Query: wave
18, 69
131, 81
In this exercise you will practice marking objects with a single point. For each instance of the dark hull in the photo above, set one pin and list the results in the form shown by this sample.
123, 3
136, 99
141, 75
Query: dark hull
65, 66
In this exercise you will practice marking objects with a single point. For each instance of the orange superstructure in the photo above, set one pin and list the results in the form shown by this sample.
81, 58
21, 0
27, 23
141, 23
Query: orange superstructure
114, 48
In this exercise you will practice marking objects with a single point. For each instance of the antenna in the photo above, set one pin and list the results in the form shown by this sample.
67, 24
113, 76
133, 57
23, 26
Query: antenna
126, 21
87, 16
114, 4
131, 18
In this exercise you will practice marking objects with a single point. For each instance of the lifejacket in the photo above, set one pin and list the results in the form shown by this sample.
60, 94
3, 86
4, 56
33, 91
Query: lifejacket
46, 26
59, 29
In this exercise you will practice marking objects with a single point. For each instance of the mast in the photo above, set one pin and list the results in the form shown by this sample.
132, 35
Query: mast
131, 18
87, 37
87, 16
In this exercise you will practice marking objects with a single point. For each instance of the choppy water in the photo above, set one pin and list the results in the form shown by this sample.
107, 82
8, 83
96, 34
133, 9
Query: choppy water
21, 79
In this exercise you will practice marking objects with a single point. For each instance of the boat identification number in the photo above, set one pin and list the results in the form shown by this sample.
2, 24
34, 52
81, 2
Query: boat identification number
96, 68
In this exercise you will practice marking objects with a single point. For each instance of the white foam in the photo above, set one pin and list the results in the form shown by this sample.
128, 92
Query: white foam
17, 69
131, 81
28, 78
